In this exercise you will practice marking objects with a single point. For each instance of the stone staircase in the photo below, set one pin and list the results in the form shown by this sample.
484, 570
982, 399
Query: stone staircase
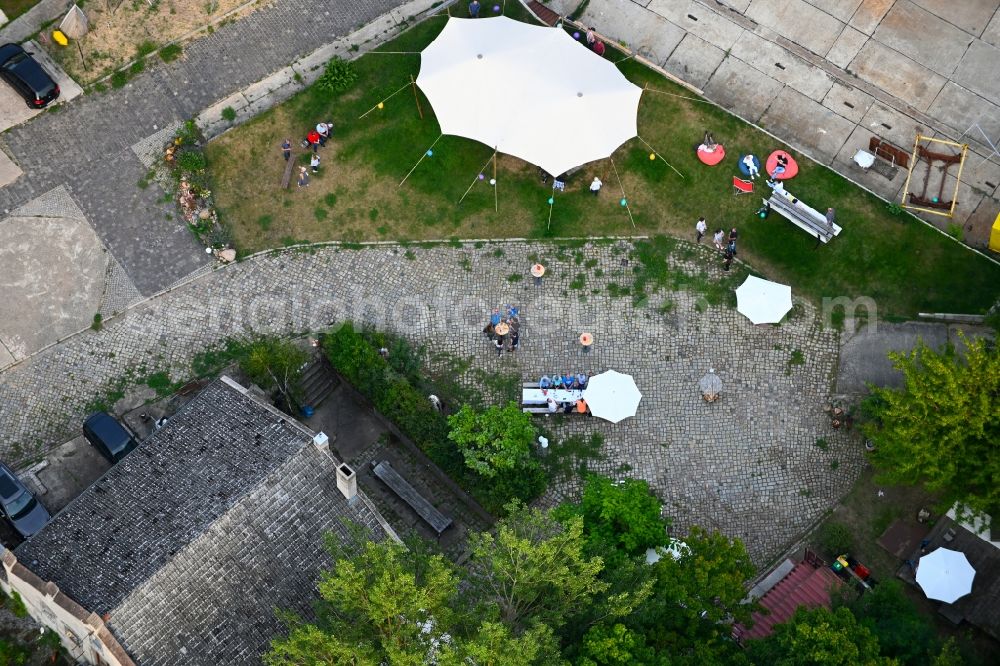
318, 381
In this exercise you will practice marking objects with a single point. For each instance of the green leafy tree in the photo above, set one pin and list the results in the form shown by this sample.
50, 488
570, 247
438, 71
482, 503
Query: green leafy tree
819, 637
942, 427
274, 364
615, 645
902, 631
385, 604
534, 569
618, 516
494, 440
694, 597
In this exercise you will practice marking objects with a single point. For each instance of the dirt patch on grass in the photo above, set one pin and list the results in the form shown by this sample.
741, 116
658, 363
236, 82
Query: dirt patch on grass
136, 28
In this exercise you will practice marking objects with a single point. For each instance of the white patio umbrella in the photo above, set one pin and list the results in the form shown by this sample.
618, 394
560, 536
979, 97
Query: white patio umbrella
762, 301
612, 396
528, 91
945, 575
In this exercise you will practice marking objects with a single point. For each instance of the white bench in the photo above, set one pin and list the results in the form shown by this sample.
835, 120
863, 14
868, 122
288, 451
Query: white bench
808, 219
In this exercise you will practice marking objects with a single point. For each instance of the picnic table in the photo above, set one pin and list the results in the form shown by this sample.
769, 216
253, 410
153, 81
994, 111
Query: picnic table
538, 396
804, 217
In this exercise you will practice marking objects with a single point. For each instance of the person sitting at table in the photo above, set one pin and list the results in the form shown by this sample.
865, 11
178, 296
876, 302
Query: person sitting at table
568, 407
544, 382
582, 379
551, 404
582, 407
568, 380
557, 382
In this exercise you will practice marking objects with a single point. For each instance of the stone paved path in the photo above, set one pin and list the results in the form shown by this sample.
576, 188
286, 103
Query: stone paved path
748, 465
87, 145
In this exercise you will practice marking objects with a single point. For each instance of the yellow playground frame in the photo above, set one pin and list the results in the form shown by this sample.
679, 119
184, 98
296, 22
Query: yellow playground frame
922, 154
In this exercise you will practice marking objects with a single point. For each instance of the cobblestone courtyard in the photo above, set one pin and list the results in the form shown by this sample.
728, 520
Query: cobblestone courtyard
749, 465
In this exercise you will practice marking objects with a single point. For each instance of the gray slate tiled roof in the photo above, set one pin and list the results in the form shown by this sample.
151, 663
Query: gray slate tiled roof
193, 540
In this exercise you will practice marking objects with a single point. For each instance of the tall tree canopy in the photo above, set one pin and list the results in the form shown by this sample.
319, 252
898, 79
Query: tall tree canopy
818, 637
497, 439
942, 427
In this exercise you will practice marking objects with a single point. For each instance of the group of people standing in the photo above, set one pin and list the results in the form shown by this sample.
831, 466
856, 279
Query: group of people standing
726, 246
314, 139
504, 330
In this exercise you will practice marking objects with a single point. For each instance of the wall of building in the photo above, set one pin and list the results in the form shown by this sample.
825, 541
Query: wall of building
83, 633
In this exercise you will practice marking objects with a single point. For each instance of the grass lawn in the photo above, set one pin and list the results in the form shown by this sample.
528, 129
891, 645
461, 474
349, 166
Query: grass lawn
14, 8
903, 265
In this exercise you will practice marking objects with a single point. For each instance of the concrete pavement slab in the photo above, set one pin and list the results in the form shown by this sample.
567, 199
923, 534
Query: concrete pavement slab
979, 70
812, 28
650, 34
979, 224
846, 47
6, 358
848, 101
895, 127
874, 181
52, 278
927, 39
868, 14
742, 89
982, 174
694, 60
699, 20
864, 357
778, 63
972, 16
991, 34
959, 108
840, 9
897, 74
819, 131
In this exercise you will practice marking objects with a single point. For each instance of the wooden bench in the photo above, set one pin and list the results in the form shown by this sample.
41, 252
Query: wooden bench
289, 167
390, 477
802, 216
531, 385
537, 410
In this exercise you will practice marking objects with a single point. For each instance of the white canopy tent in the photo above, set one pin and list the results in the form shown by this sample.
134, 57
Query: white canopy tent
528, 91
762, 301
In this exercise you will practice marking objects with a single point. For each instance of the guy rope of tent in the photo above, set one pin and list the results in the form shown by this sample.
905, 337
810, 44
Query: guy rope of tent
479, 176
427, 153
381, 102
624, 198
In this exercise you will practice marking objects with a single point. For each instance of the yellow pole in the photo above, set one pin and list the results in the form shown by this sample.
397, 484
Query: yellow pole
909, 174
958, 180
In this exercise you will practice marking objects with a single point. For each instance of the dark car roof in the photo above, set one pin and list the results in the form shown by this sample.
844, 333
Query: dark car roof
26, 68
108, 430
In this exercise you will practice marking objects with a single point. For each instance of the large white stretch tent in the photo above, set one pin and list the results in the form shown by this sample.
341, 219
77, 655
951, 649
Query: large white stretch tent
528, 91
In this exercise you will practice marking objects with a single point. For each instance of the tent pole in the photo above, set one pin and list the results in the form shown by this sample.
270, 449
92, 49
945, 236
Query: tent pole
416, 98
551, 206
478, 173
419, 161
627, 207
496, 183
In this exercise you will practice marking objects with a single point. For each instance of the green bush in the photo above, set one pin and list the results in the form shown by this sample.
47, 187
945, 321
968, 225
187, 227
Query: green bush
338, 76
171, 52
144, 49
835, 539
192, 160
229, 114
119, 79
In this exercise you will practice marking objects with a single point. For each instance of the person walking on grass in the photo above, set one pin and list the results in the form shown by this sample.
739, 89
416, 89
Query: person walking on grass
728, 260
303, 177
314, 163
286, 149
732, 240
719, 239
591, 38
595, 186
474, 9
313, 139
700, 228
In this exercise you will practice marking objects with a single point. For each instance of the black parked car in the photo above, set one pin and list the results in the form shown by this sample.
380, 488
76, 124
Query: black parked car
24, 512
108, 436
26, 76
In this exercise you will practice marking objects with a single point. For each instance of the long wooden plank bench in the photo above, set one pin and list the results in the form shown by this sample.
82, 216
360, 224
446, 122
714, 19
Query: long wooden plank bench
808, 219
390, 477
